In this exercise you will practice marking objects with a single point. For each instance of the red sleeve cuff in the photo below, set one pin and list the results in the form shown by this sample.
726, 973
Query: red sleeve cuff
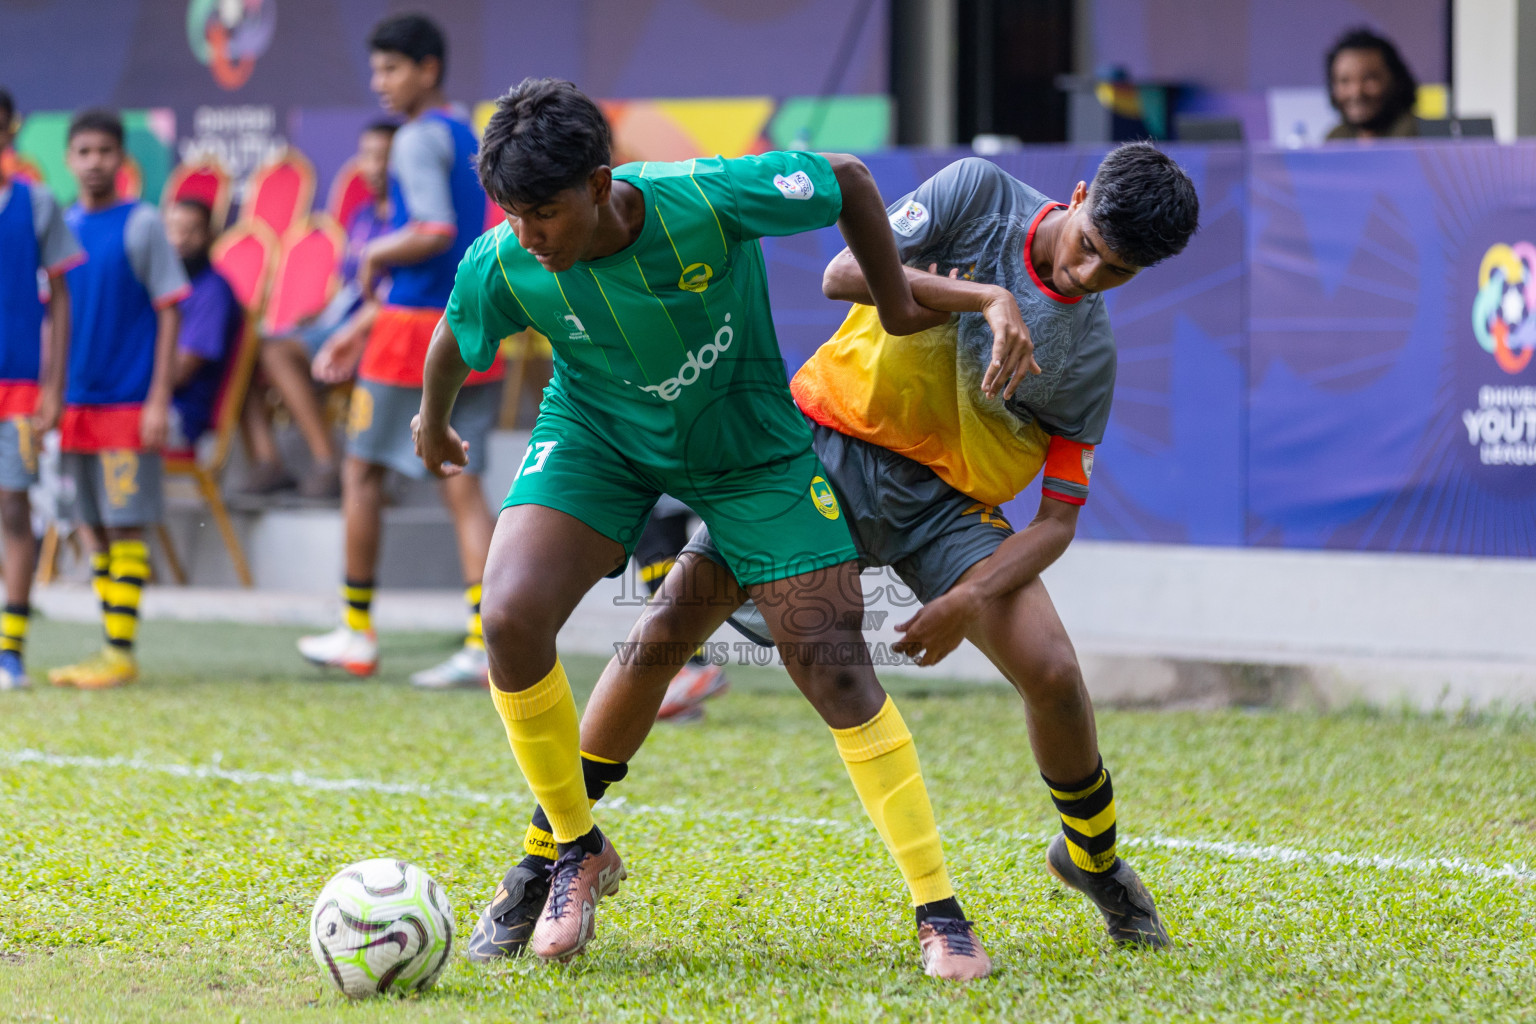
65, 265
166, 301
1046, 492
431, 228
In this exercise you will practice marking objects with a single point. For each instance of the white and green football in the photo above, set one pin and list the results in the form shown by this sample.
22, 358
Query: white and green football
381, 926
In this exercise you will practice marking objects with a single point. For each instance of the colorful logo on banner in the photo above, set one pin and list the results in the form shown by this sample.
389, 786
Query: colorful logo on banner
1504, 312
227, 36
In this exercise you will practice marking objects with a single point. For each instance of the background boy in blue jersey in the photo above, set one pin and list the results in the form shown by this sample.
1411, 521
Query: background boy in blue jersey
117, 396
33, 237
438, 209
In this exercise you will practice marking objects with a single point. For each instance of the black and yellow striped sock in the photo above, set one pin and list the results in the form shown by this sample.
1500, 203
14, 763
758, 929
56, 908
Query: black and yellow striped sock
357, 596
13, 628
101, 577
1087, 810
474, 631
599, 773
129, 568
652, 575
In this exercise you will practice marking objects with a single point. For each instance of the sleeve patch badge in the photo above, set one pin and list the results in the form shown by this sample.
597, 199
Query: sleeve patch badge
796, 186
907, 220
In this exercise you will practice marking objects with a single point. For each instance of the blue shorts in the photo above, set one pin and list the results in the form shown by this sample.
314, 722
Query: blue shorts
18, 454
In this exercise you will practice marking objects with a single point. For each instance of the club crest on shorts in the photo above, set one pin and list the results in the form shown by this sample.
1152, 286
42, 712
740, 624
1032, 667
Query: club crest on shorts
695, 277
796, 186
823, 498
1087, 463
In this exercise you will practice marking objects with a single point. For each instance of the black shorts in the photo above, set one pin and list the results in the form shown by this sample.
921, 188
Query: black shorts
900, 514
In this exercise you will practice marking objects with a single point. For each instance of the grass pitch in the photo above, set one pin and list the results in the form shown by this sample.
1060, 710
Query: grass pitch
159, 855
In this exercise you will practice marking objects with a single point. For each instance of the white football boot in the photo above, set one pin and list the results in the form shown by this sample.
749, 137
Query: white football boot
347, 649
469, 668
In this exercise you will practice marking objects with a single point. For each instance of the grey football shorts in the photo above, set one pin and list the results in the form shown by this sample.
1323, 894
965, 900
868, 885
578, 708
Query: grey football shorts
379, 424
115, 488
18, 454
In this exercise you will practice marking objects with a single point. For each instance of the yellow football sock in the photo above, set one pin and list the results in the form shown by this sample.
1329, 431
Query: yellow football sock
546, 740
129, 561
882, 762
474, 632
13, 627
598, 773
357, 595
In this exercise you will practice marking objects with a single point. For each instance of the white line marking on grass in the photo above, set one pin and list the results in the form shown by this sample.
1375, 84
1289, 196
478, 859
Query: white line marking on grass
317, 783
1291, 855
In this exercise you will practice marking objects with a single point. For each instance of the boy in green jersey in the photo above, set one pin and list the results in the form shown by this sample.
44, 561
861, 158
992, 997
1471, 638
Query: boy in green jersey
649, 282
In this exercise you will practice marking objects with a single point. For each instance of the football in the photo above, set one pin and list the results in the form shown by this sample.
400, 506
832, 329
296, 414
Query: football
381, 926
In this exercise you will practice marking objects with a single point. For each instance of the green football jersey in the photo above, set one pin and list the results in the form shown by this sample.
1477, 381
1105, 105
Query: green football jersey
666, 348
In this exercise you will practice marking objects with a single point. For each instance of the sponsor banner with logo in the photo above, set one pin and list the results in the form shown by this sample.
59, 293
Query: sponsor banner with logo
1343, 358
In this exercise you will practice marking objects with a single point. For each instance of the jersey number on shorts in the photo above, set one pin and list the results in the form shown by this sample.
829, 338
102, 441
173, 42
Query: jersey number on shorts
538, 454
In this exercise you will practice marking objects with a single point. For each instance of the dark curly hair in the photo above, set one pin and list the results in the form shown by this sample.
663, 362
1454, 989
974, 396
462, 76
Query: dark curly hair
415, 37
1405, 88
97, 119
1143, 204
545, 136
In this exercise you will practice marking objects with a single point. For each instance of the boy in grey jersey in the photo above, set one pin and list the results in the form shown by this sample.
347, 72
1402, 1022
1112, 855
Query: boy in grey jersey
923, 436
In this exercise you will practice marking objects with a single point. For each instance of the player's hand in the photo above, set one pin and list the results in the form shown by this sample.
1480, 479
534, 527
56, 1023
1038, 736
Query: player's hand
154, 425
46, 416
441, 450
336, 362
369, 273
936, 630
1013, 350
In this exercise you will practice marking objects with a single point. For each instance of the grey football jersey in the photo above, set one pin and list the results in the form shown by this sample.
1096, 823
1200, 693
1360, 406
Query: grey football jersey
975, 216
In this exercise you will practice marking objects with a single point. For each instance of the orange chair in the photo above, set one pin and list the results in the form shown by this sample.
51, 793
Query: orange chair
206, 181
348, 193
246, 255
280, 192
130, 179
306, 273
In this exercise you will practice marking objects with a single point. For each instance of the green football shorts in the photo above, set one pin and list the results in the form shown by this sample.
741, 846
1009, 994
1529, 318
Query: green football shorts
769, 522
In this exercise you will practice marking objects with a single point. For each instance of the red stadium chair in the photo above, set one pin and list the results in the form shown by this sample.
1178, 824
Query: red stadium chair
130, 179
279, 194
246, 255
306, 273
348, 192
494, 215
206, 181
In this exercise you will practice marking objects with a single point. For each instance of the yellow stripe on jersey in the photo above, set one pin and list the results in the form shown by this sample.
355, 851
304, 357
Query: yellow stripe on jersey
725, 248
503, 268
611, 312
917, 397
647, 286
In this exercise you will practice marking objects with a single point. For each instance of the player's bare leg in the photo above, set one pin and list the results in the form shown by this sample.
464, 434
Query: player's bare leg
120, 565
816, 619
1023, 636
472, 526
286, 364
354, 646
20, 560
540, 565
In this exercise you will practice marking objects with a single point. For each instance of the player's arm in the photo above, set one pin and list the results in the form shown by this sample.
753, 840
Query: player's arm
50, 398
438, 445
59, 251
481, 311
1013, 350
942, 623
421, 160
154, 423
159, 269
868, 234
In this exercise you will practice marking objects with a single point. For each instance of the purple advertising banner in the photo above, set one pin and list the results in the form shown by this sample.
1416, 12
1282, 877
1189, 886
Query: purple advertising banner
1392, 394
1344, 357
